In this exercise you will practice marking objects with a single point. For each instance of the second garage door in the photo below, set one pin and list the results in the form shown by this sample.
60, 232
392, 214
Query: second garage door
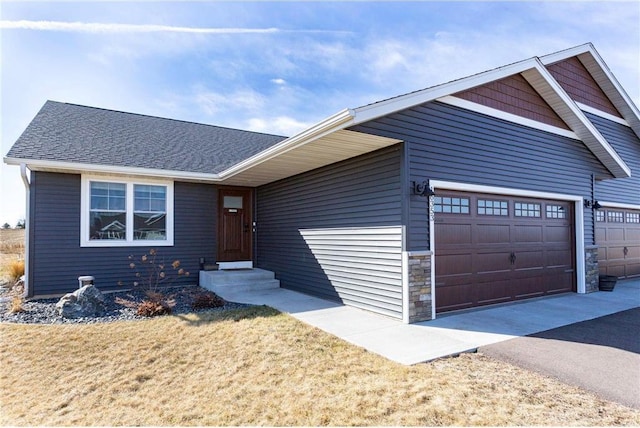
492, 249
618, 239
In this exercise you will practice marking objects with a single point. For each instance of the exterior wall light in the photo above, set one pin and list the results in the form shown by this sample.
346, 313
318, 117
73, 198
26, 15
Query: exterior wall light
592, 204
422, 188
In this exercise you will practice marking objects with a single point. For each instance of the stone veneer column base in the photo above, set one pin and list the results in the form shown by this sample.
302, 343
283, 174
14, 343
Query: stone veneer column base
592, 273
420, 290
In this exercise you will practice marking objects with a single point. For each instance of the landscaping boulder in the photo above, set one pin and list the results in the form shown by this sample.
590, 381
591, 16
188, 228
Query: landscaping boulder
87, 301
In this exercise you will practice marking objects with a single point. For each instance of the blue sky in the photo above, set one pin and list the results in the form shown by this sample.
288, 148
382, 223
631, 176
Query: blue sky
275, 67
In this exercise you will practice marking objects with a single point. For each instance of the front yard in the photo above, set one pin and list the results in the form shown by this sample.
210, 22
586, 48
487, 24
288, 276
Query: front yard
256, 366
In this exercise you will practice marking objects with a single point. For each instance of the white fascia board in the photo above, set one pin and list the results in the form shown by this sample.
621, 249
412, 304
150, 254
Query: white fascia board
510, 117
575, 118
333, 123
392, 105
566, 53
602, 114
78, 168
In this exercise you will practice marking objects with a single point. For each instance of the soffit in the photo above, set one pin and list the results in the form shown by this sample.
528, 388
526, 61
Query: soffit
328, 149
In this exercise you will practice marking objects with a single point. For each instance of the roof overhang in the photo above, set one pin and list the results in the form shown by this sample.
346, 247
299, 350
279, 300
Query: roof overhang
80, 168
325, 143
334, 147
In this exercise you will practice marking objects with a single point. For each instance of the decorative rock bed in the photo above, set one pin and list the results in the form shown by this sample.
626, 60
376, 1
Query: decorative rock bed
44, 311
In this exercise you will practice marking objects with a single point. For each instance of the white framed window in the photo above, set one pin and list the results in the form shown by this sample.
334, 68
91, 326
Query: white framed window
118, 212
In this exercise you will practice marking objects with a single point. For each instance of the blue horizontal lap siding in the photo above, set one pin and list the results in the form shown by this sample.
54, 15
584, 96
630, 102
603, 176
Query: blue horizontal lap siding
336, 233
453, 144
57, 258
625, 142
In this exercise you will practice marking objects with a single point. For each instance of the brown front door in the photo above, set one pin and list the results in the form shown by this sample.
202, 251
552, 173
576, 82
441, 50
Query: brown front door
235, 226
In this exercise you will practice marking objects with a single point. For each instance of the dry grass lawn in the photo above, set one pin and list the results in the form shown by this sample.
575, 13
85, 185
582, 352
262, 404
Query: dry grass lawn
11, 249
259, 367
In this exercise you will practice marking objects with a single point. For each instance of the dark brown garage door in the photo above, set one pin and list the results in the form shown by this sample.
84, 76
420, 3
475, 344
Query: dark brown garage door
492, 249
618, 238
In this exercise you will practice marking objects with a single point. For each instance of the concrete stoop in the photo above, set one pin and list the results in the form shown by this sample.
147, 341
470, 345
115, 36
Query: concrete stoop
221, 281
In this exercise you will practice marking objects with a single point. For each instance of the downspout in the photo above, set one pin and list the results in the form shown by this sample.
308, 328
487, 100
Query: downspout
27, 228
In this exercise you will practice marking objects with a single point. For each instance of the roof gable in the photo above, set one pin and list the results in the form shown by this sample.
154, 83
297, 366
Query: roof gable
595, 65
514, 95
576, 80
537, 75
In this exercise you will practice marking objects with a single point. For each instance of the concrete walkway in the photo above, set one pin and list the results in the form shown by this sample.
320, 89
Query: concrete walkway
449, 334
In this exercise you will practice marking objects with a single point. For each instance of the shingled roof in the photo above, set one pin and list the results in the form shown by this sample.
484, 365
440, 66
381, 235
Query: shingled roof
88, 135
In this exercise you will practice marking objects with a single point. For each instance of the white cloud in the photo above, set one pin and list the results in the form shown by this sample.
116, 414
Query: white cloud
280, 125
279, 81
241, 101
96, 27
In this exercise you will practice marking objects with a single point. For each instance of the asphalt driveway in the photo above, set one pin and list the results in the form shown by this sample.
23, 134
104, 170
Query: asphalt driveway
601, 355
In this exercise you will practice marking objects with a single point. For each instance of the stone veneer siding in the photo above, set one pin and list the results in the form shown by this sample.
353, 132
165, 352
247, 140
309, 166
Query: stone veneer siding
591, 267
420, 290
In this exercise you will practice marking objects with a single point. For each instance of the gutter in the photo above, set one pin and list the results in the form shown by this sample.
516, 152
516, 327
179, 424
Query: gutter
27, 228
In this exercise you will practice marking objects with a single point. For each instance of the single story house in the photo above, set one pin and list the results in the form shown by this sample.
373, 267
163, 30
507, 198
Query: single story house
517, 182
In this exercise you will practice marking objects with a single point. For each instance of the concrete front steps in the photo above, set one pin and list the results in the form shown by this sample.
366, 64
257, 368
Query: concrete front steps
222, 282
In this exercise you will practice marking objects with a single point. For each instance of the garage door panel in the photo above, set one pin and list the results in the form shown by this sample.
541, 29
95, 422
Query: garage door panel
633, 269
615, 234
613, 269
455, 234
457, 297
559, 258
528, 234
493, 292
615, 253
529, 260
492, 234
489, 262
485, 257
555, 282
530, 286
633, 251
561, 233
453, 264
632, 235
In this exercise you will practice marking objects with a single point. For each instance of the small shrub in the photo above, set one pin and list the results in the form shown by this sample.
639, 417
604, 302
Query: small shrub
207, 301
152, 273
155, 304
149, 308
15, 270
17, 298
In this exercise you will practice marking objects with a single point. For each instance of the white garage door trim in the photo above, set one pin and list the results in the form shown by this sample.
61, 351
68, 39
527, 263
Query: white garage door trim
617, 205
508, 191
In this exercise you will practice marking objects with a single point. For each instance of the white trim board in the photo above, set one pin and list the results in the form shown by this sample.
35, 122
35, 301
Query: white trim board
602, 114
510, 117
619, 205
